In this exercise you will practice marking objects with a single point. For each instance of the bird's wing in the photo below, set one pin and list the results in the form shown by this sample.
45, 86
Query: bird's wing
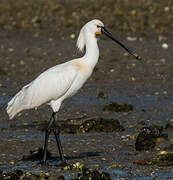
50, 85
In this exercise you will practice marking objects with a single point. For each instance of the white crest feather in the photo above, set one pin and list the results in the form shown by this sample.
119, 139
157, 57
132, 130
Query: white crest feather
81, 40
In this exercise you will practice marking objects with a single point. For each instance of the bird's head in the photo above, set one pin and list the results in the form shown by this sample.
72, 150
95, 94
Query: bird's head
92, 29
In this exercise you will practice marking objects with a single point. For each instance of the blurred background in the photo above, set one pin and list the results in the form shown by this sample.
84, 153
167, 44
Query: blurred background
64, 16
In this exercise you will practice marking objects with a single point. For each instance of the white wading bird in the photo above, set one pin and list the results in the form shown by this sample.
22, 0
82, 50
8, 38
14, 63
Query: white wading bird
62, 81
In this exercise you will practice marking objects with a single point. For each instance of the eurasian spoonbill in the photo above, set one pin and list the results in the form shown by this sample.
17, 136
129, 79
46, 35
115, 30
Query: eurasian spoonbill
62, 81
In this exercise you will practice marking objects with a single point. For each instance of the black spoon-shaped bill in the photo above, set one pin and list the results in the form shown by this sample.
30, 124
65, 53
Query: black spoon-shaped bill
103, 30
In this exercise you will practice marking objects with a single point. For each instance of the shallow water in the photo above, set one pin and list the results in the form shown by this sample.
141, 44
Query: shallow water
3, 101
151, 105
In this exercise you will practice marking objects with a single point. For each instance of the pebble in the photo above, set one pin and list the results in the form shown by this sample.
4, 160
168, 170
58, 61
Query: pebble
165, 46
162, 38
132, 137
72, 36
163, 60
13, 65
10, 49
22, 62
167, 8
163, 153
12, 162
115, 166
126, 54
36, 35
36, 19
131, 38
45, 53
133, 79
165, 92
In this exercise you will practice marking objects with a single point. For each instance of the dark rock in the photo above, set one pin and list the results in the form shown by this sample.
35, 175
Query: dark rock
146, 139
113, 106
95, 124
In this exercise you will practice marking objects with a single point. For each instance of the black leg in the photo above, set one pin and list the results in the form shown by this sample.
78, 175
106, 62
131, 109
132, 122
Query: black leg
56, 132
47, 133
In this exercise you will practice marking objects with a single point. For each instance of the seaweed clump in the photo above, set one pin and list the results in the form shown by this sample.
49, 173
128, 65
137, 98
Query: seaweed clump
102, 125
116, 107
146, 139
19, 174
96, 124
92, 174
85, 174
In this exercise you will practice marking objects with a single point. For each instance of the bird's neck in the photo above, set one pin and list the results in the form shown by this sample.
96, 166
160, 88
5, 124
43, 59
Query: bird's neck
92, 51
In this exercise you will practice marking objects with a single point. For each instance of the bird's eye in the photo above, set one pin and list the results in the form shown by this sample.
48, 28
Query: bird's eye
98, 26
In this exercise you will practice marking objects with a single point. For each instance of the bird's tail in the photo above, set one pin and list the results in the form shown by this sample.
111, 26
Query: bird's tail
17, 104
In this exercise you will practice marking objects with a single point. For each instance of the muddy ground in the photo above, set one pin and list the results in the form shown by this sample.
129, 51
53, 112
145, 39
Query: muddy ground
28, 47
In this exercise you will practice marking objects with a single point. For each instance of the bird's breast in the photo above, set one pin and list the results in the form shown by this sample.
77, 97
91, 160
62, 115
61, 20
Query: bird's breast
82, 67
84, 71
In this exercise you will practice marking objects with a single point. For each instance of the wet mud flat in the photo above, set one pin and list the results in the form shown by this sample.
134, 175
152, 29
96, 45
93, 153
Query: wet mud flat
145, 87
110, 152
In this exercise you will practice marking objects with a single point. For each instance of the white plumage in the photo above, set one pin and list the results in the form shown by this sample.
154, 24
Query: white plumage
61, 81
